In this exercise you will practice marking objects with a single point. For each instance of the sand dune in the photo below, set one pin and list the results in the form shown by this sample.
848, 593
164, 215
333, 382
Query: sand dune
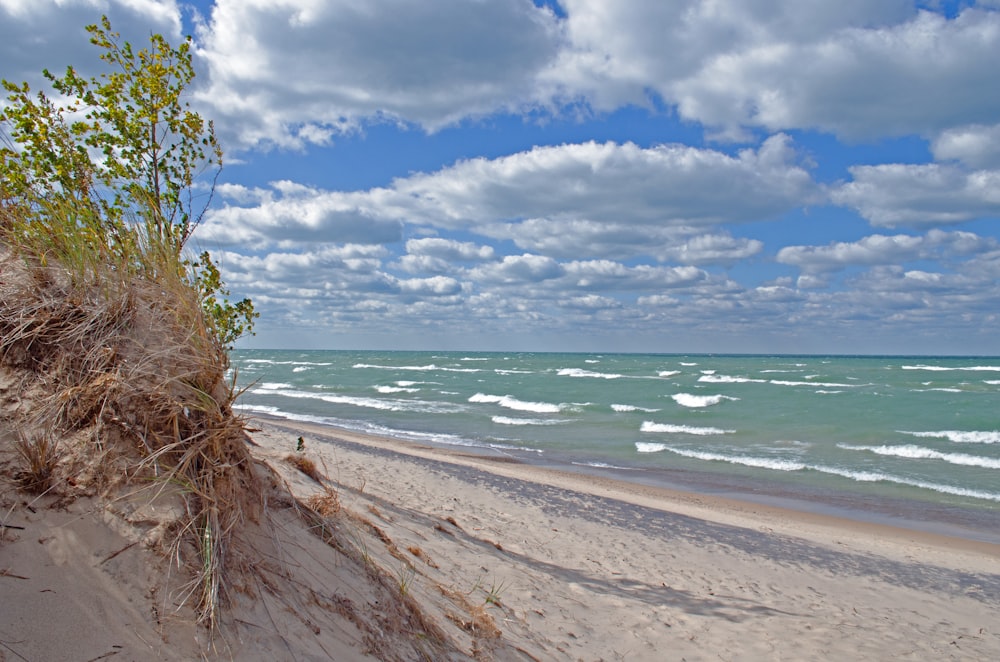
443, 555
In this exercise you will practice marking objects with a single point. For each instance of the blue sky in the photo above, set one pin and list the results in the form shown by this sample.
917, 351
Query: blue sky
638, 175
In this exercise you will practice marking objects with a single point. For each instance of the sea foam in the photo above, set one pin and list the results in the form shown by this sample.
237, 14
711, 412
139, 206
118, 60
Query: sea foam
649, 426
913, 452
513, 403
698, 401
422, 406
627, 408
939, 368
960, 436
579, 372
727, 379
506, 420
788, 465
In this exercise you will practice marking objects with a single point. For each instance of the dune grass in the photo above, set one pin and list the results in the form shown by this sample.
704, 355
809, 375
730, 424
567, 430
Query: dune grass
112, 331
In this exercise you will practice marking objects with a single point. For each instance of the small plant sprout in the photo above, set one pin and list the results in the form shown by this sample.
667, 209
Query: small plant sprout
404, 576
492, 593
496, 590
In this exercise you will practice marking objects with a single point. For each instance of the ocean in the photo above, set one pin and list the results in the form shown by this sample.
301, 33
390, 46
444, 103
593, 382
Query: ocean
911, 441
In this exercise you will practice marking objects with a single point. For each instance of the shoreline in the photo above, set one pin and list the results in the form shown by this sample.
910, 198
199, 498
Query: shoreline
760, 511
568, 566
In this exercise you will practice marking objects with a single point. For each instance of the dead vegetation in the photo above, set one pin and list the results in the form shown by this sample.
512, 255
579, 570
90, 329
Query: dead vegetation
108, 390
121, 383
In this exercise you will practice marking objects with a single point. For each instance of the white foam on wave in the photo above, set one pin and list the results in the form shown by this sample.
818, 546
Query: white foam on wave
421, 406
513, 403
782, 382
688, 364
302, 368
627, 408
960, 436
992, 382
605, 465
395, 389
668, 373
501, 371
939, 368
273, 386
506, 420
406, 435
708, 372
263, 409
579, 372
940, 390
650, 426
913, 452
699, 401
649, 447
273, 362
420, 368
727, 379
789, 465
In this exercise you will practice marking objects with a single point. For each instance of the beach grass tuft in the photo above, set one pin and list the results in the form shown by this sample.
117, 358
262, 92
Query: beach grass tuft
38, 455
306, 466
117, 344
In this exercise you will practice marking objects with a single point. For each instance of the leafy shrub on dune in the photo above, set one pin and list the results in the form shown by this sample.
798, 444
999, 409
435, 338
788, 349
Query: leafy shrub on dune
120, 335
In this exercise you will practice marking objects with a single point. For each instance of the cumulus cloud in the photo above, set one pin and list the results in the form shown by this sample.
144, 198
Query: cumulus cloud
664, 185
617, 51
289, 214
50, 34
884, 250
975, 145
574, 200
449, 249
431, 64
925, 195
920, 76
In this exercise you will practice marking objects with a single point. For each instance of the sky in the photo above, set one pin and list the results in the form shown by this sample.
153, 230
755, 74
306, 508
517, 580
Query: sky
750, 176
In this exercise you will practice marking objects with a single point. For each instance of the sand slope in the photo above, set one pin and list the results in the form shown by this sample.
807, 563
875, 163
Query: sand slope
440, 555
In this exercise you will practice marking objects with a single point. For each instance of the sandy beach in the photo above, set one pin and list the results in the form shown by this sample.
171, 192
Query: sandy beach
505, 561
593, 570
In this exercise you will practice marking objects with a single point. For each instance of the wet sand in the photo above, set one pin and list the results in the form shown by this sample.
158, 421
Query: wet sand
591, 568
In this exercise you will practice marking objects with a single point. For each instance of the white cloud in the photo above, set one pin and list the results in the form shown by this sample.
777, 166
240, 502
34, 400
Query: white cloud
50, 34
525, 268
290, 215
860, 69
296, 71
575, 200
918, 196
975, 145
883, 250
620, 49
449, 249
921, 76
597, 183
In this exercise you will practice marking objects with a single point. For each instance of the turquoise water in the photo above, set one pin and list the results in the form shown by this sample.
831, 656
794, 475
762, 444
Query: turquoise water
915, 439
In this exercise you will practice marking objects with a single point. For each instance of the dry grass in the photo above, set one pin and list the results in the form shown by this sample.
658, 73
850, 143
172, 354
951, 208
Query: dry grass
121, 358
38, 457
325, 503
306, 466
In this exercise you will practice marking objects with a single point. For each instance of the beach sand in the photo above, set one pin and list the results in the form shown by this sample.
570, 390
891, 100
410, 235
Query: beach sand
504, 560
